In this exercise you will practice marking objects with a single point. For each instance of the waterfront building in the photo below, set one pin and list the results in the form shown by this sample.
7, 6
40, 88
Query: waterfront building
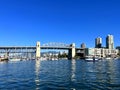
110, 42
118, 47
101, 52
98, 42
93, 52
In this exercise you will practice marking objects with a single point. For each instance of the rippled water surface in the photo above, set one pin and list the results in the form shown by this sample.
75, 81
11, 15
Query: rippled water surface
60, 75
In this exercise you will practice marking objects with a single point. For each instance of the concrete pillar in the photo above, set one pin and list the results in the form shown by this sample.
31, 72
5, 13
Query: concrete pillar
72, 51
6, 55
38, 50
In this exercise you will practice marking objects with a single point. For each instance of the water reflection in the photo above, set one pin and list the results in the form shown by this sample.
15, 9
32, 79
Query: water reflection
60, 75
104, 73
112, 72
37, 72
73, 69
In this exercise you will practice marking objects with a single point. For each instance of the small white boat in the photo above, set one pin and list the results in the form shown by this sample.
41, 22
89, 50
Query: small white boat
14, 59
91, 58
108, 58
53, 59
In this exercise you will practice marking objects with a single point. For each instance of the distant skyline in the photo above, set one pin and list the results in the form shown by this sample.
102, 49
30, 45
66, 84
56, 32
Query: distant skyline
24, 22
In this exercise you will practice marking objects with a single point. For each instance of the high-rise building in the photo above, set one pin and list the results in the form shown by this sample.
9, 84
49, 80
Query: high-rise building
83, 45
110, 42
98, 42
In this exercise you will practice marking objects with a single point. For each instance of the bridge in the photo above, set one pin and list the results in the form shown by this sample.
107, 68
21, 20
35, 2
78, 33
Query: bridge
37, 49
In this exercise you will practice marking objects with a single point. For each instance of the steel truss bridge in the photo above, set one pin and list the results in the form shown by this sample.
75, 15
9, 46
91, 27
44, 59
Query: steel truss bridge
32, 49
20, 49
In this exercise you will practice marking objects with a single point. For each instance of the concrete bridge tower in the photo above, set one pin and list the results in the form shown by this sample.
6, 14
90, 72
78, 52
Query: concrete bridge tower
38, 50
6, 54
72, 51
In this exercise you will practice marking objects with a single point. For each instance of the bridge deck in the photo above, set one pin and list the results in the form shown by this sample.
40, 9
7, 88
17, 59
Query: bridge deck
17, 47
33, 47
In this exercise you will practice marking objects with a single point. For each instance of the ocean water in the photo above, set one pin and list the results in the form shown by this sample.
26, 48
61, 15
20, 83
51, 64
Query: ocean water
60, 75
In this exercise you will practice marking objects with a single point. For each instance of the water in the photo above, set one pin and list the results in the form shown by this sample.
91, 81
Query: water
60, 75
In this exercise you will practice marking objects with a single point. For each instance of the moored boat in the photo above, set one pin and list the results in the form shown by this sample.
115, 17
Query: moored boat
108, 58
91, 58
3, 59
14, 59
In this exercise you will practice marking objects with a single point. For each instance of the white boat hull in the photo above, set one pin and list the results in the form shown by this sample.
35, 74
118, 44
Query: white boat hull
12, 59
90, 58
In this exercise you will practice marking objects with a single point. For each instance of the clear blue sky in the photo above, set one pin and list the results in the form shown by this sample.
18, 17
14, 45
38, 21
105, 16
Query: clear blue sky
23, 22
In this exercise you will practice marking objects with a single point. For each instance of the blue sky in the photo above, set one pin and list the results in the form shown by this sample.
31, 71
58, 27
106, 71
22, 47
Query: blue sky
23, 22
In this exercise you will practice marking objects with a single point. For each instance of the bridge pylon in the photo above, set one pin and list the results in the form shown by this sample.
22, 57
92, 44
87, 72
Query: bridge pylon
38, 55
72, 51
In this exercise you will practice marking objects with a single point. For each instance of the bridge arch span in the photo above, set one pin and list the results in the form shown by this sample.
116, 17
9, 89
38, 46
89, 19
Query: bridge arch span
55, 44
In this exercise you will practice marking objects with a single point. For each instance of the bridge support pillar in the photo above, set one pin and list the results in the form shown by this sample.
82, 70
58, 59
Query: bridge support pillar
72, 52
38, 50
6, 55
